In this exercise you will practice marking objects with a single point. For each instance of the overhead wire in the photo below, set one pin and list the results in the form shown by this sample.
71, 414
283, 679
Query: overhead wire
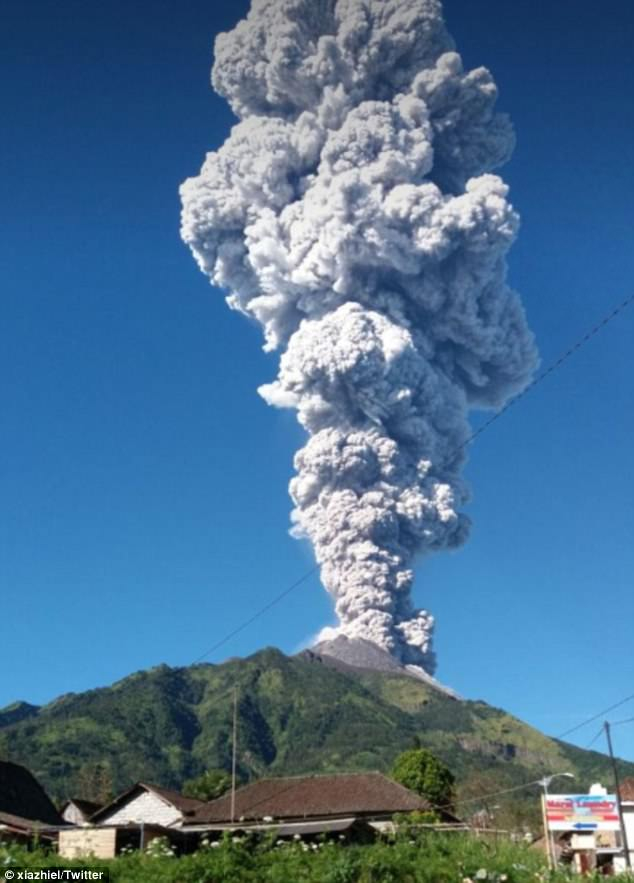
257, 614
554, 366
628, 720
594, 739
490, 794
595, 716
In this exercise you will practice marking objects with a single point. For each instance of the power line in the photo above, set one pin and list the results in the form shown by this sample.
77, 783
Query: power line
257, 614
628, 720
491, 794
469, 440
552, 367
591, 743
596, 716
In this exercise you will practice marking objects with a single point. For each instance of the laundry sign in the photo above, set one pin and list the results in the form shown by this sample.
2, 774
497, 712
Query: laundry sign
582, 812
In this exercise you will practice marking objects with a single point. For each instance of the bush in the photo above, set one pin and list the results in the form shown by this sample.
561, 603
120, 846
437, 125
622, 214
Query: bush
429, 857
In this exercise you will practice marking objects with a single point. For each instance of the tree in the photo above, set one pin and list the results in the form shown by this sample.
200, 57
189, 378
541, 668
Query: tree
208, 786
418, 770
94, 782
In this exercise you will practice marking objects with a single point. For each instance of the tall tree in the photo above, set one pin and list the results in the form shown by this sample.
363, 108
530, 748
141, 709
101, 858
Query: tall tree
94, 782
208, 786
420, 771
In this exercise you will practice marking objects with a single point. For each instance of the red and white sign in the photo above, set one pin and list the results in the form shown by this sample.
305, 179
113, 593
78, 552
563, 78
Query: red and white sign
582, 812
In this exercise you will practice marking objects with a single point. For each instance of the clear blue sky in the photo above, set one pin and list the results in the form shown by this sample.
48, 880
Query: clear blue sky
143, 498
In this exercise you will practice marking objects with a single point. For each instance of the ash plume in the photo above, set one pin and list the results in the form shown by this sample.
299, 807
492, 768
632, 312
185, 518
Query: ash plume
352, 212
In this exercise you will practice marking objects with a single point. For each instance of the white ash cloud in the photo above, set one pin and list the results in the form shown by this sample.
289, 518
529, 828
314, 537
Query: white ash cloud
352, 212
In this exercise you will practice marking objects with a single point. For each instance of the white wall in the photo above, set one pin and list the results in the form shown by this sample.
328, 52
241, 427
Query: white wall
145, 807
73, 815
82, 842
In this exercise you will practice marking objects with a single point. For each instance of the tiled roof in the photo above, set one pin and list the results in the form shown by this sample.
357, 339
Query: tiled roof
304, 797
186, 805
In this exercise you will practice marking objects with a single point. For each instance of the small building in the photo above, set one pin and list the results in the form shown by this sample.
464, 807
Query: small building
132, 820
108, 841
148, 805
78, 812
310, 805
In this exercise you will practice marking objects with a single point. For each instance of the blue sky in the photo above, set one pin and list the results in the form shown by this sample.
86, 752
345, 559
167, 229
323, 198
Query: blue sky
144, 507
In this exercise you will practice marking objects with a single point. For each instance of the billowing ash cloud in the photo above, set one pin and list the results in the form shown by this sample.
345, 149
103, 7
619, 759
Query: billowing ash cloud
352, 213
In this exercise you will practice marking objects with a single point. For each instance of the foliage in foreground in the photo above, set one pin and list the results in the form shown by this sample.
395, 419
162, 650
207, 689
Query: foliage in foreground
429, 858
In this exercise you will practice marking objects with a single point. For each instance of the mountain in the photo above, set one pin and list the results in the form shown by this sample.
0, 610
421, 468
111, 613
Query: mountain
311, 713
17, 711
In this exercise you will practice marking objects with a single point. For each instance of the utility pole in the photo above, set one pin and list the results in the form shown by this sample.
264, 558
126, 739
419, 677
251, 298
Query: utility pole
547, 834
617, 787
234, 754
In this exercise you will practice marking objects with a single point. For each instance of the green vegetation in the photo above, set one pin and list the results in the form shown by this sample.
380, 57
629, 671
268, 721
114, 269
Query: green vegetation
208, 786
420, 771
426, 858
296, 715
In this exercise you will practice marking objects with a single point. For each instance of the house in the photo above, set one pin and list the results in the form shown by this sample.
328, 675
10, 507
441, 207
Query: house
133, 819
308, 805
25, 808
148, 805
78, 812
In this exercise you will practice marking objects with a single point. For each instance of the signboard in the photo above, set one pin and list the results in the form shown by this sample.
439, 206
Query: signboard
582, 812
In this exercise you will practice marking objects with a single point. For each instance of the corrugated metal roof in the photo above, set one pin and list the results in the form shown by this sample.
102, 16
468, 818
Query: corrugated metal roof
286, 829
13, 821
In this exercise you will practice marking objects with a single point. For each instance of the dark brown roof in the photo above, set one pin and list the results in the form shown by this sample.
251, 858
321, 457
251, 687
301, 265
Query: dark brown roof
314, 797
22, 795
626, 790
186, 805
